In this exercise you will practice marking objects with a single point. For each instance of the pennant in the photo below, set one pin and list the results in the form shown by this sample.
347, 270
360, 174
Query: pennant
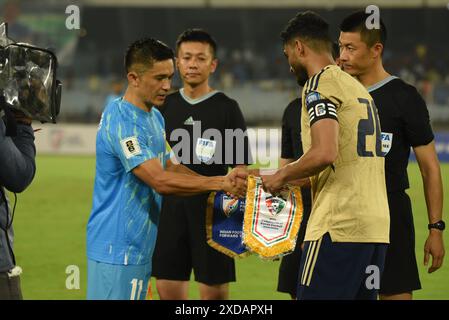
224, 224
271, 223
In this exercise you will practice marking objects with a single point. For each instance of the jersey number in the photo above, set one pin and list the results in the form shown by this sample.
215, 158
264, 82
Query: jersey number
369, 127
134, 284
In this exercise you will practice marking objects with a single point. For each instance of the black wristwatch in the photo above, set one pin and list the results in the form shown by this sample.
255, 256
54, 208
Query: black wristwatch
440, 225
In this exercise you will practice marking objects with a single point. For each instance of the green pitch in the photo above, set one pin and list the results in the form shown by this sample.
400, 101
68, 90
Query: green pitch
50, 229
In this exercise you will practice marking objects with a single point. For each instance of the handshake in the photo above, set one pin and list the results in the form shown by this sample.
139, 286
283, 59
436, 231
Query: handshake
273, 182
235, 184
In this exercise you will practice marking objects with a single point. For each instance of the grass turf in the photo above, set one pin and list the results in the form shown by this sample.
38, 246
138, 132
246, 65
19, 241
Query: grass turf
50, 231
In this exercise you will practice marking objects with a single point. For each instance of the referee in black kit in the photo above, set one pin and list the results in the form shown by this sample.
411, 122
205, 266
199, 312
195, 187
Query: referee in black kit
181, 244
405, 123
291, 150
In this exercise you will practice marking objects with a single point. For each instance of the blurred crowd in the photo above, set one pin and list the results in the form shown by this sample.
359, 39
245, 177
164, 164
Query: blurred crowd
424, 68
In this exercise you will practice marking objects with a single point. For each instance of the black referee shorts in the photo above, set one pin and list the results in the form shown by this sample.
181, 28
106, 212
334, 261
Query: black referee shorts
182, 245
401, 270
289, 271
288, 278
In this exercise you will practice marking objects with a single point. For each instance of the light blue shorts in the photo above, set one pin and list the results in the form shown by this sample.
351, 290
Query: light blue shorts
117, 282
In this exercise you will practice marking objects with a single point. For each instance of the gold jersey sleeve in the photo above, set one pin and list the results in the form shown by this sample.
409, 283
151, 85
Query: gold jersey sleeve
349, 197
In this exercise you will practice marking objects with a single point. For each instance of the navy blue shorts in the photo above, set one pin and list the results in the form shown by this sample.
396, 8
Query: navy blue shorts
340, 270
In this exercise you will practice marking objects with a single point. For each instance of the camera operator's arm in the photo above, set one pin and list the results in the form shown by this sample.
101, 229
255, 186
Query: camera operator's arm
17, 163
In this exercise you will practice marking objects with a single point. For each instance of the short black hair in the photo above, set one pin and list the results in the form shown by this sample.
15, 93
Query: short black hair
145, 52
310, 27
197, 35
356, 22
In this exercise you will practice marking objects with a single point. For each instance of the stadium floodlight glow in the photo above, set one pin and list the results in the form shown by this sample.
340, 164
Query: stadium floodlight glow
28, 79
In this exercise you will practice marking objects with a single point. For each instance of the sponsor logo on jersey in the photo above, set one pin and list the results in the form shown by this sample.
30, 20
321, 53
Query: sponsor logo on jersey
189, 121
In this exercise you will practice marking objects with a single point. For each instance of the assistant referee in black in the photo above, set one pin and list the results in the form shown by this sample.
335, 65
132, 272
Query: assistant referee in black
405, 124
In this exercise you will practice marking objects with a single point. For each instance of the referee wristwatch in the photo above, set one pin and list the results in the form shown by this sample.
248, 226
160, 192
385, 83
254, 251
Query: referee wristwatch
440, 225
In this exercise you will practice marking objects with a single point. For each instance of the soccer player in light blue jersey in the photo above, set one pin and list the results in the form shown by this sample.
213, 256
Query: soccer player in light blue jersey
133, 171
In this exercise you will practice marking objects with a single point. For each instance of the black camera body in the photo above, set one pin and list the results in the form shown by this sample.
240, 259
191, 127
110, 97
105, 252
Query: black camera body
28, 79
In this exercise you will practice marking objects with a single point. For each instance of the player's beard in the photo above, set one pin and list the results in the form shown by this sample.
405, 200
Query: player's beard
149, 104
301, 74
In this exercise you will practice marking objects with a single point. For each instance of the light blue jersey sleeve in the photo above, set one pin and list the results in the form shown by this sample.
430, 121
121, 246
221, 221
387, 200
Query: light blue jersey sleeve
168, 153
132, 144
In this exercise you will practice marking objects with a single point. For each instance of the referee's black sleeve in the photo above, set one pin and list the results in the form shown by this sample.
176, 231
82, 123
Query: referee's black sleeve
237, 121
286, 137
416, 119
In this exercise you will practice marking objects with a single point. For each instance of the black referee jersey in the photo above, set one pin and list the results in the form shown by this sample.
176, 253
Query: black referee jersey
405, 123
195, 116
291, 148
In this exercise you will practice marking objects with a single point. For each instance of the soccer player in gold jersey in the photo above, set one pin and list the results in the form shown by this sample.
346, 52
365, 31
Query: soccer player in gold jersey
348, 229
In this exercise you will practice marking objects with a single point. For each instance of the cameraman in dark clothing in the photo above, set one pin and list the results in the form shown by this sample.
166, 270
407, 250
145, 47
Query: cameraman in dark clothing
29, 89
17, 168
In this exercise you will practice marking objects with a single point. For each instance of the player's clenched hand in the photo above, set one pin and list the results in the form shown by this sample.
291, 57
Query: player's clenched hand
235, 182
273, 183
235, 189
434, 247
238, 173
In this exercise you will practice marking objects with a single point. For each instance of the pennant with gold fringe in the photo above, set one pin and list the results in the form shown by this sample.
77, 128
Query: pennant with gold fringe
224, 224
271, 223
